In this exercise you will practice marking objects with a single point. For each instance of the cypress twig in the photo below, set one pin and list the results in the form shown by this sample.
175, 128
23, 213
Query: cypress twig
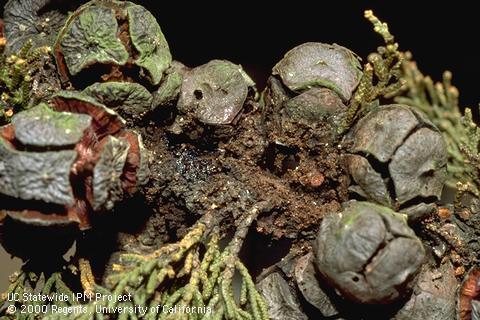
381, 75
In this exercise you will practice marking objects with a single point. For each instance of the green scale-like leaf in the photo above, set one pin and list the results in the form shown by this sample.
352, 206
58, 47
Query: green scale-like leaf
41, 176
129, 99
91, 38
149, 41
107, 186
43, 127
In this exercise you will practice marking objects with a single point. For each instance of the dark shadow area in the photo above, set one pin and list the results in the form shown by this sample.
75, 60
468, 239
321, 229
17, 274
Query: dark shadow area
36, 242
258, 36
260, 251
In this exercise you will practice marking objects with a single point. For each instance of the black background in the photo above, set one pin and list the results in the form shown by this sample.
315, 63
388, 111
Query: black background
256, 35
441, 35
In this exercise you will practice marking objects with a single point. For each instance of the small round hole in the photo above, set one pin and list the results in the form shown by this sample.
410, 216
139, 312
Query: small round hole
198, 94
428, 174
355, 279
